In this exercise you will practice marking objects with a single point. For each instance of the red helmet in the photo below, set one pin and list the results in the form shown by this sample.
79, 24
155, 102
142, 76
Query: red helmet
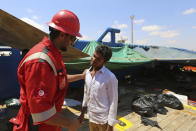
67, 22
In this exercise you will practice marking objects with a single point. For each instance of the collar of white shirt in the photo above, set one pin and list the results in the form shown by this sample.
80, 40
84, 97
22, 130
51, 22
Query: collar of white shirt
102, 70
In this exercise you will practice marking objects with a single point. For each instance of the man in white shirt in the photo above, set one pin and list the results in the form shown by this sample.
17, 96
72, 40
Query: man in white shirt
100, 92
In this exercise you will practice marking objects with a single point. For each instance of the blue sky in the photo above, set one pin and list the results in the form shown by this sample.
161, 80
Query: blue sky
170, 23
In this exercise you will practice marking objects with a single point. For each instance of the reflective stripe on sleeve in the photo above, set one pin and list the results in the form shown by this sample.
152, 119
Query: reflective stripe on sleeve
42, 56
39, 117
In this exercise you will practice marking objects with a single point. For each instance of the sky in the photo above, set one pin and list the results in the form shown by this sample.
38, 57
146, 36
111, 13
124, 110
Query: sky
169, 23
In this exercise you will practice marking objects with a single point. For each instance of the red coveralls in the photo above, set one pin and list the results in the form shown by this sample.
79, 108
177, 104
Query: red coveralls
42, 92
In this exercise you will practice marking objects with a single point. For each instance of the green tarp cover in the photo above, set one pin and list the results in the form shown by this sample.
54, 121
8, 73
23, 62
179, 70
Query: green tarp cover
122, 57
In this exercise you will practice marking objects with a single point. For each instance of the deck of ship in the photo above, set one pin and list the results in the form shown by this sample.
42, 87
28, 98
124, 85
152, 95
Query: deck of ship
174, 120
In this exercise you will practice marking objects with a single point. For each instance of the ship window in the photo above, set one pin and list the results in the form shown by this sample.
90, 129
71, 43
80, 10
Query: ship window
5, 53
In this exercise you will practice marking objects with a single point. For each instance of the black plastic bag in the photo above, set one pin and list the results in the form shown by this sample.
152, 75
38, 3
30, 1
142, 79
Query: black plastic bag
150, 122
145, 105
171, 101
149, 105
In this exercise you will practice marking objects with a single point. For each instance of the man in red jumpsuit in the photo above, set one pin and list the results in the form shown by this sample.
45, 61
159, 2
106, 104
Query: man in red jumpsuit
43, 78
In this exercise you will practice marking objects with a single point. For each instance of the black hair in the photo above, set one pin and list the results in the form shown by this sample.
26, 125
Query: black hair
53, 33
105, 51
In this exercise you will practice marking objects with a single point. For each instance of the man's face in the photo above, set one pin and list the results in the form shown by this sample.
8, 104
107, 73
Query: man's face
97, 61
66, 41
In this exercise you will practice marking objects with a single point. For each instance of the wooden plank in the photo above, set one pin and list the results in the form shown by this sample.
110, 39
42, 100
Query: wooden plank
166, 121
193, 128
161, 117
174, 124
136, 120
145, 128
133, 118
157, 118
188, 124
20, 35
136, 126
190, 109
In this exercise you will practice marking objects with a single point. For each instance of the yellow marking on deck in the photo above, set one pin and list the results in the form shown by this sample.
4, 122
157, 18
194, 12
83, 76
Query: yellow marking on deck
74, 111
193, 114
123, 124
190, 107
71, 109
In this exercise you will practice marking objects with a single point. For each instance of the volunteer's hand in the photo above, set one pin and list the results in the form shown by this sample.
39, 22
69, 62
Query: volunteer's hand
81, 118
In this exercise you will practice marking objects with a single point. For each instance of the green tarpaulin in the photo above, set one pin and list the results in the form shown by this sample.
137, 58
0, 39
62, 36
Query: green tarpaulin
122, 57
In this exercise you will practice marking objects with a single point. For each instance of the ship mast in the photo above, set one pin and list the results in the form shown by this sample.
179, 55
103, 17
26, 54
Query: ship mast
132, 17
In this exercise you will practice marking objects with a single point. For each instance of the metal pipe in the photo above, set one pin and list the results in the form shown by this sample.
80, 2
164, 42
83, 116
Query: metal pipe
132, 17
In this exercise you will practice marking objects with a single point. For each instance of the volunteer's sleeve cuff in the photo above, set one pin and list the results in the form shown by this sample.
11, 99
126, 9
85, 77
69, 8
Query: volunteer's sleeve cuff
39, 117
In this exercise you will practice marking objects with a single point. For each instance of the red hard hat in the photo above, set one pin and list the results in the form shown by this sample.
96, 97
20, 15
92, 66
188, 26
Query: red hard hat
67, 22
